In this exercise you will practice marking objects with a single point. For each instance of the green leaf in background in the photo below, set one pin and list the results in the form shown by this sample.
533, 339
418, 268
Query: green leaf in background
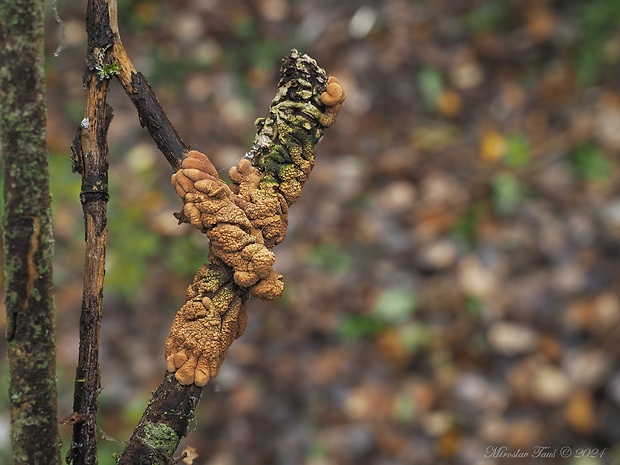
395, 305
589, 163
331, 258
404, 408
267, 53
316, 453
598, 21
246, 27
507, 193
353, 327
487, 16
430, 83
474, 305
133, 412
518, 151
466, 228
435, 136
130, 246
64, 184
415, 336
185, 254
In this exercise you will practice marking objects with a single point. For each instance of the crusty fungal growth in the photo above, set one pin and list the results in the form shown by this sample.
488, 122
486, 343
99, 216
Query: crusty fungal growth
213, 316
265, 195
306, 103
210, 206
245, 220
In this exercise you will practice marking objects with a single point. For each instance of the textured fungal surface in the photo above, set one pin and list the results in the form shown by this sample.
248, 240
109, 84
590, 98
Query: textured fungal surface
307, 102
212, 317
209, 204
245, 220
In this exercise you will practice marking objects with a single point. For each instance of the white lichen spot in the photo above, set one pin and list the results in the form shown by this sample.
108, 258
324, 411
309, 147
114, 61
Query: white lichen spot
85, 123
263, 141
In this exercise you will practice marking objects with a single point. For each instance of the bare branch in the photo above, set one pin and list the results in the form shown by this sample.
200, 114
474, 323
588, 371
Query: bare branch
89, 158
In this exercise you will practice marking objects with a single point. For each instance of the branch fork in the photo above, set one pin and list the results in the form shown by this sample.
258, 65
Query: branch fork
243, 221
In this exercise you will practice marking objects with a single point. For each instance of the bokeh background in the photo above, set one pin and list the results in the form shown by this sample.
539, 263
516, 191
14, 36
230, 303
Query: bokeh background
452, 271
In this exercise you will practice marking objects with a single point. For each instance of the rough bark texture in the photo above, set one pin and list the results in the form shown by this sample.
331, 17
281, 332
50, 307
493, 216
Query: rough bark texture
28, 243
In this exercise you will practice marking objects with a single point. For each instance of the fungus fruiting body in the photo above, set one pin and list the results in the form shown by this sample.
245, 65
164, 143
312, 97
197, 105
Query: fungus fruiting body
245, 220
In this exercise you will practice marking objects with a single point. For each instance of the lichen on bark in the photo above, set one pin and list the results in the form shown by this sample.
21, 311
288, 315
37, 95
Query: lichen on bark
27, 236
160, 436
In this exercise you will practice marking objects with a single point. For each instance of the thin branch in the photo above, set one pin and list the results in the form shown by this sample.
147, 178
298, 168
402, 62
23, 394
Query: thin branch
89, 158
152, 115
163, 424
150, 112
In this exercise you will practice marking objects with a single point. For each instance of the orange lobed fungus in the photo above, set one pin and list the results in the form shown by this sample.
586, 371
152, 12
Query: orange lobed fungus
209, 206
245, 220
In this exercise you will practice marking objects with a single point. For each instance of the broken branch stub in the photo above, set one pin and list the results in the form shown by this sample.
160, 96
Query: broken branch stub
245, 220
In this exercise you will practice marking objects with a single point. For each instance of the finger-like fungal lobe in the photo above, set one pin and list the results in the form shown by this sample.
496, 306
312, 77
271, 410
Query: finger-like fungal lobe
212, 317
245, 220
333, 99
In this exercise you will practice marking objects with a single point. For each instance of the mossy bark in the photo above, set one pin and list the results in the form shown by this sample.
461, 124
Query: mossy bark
27, 236
165, 421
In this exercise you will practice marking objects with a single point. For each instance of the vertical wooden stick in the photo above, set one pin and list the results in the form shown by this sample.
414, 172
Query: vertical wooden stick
89, 156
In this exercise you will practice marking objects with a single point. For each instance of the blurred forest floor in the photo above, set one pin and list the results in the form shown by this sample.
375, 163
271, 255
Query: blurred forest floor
452, 271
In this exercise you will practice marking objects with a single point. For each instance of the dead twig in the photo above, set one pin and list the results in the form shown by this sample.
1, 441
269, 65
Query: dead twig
89, 158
